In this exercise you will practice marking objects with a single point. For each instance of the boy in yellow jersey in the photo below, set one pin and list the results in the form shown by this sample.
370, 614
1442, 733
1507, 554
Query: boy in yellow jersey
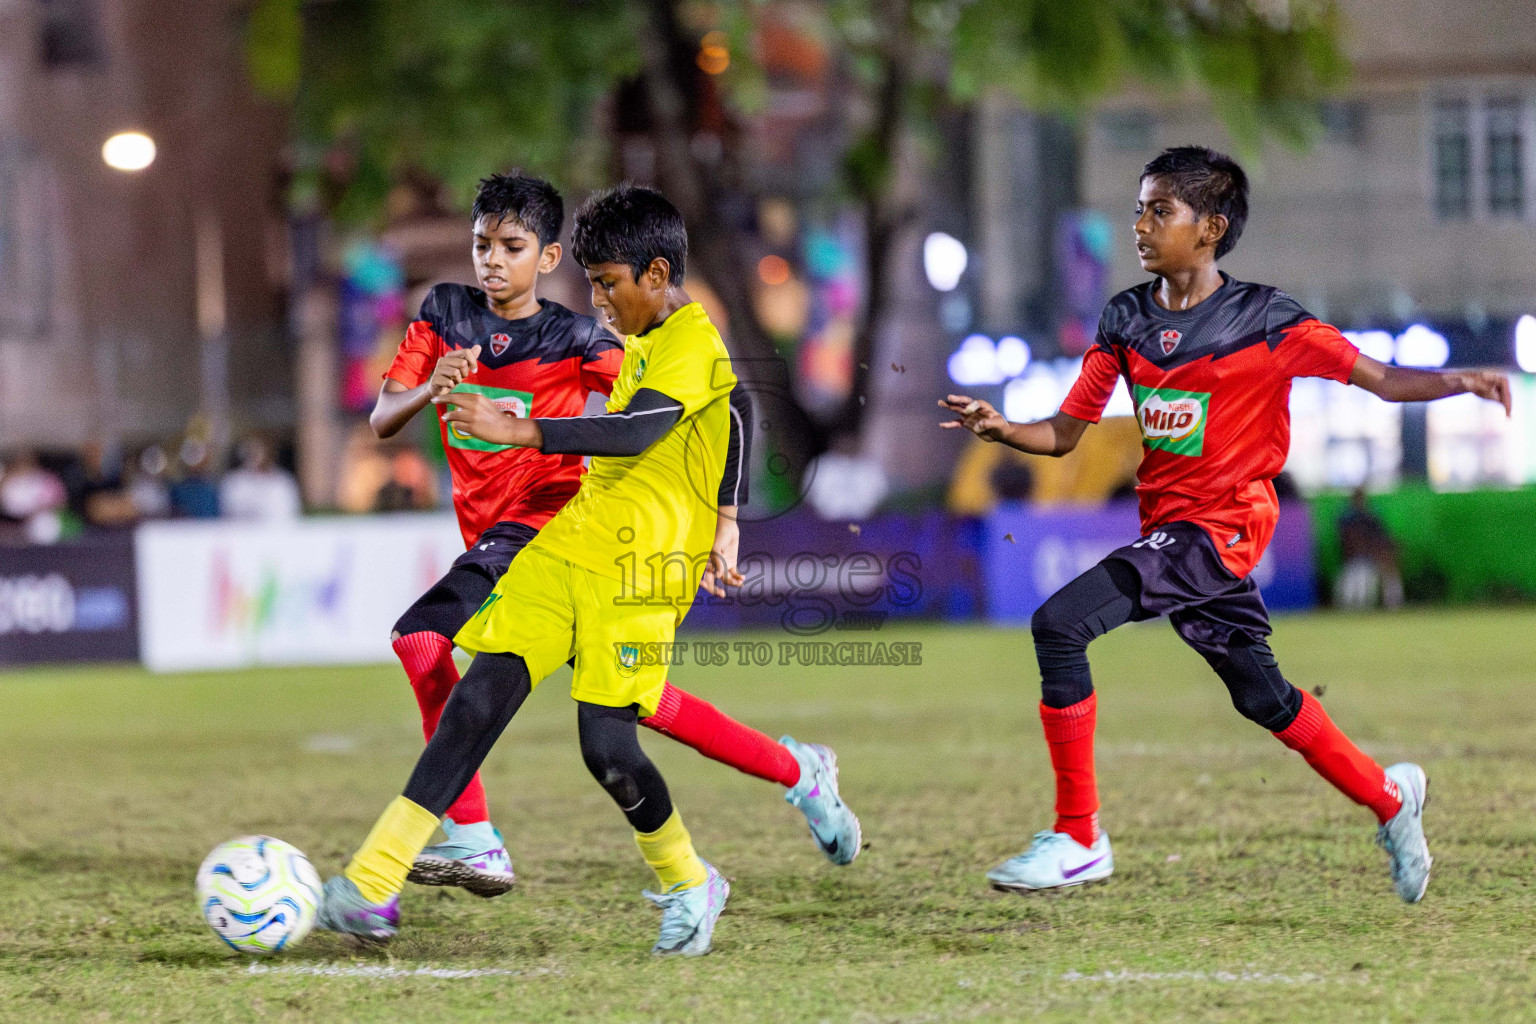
607, 579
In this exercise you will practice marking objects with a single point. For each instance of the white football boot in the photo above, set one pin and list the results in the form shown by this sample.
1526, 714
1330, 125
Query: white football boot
1403, 834
1054, 861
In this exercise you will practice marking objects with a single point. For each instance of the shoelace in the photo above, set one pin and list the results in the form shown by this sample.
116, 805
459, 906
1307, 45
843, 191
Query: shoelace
676, 922
1388, 842
1043, 841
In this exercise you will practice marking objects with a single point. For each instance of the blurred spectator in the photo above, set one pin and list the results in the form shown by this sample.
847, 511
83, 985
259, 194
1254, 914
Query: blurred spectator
1012, 480
1370, 559
411, 484
194, 495
364, 470
95, 488
146, 485
1125, 490
33, 497
259, 490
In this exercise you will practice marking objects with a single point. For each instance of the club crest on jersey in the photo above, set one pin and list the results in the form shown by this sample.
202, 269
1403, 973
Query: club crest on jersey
500, 342
629, 658
1170, 340
1173, 421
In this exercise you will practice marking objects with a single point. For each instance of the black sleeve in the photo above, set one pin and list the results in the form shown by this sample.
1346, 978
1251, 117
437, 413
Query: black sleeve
1283, 312
649, 415
738, 452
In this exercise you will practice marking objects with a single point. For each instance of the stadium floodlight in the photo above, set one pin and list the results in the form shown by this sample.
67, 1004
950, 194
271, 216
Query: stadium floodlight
944, 260
128, 151
1422, 348
1035, 396
1525, 343
1012, 356
975, 362
1379, 345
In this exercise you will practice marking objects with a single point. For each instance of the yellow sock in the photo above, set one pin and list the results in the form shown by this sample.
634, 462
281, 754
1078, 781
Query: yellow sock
380, 865
669, 851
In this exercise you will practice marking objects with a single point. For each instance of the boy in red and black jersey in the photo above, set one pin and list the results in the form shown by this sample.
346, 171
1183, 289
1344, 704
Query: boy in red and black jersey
1208, 361
532, 358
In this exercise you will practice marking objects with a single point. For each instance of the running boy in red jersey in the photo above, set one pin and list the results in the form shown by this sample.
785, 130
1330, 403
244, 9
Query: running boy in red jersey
1209, 361
534, 357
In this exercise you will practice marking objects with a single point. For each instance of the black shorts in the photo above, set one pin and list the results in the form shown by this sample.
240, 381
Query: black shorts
1184, 578
455, 598
494, 549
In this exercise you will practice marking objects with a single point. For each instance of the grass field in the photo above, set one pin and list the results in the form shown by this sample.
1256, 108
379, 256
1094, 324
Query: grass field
1246, 889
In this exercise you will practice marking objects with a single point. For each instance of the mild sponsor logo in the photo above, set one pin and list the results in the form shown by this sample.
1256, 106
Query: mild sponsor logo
518, 403
1172, 420
1170, 341
499, 344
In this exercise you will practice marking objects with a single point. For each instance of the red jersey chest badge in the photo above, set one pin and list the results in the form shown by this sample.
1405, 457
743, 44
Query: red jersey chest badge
1170, 340
499, 343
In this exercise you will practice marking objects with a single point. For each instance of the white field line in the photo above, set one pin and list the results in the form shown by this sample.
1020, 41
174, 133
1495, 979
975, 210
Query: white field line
1221, 977
381, 972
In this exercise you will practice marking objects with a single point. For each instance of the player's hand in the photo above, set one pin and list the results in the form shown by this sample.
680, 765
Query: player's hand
452, 370
1489, 384
477, 416
721, 571
976, 415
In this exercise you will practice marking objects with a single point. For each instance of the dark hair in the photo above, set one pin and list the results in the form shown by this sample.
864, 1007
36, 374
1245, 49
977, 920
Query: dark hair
531, 203
632, 225
1210, 182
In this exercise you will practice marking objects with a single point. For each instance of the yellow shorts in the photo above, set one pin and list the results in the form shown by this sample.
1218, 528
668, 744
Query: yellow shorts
547, 610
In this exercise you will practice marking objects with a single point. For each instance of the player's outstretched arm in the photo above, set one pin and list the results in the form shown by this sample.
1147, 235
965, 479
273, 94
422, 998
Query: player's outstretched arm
1055, 436
721, 571
1401, 384
480, 417
397, 403
649, 415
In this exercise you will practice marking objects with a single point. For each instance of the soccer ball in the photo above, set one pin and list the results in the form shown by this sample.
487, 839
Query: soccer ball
259, 894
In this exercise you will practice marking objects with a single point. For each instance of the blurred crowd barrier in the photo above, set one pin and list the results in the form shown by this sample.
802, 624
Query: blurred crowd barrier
186, 595
1468, 546
327, 590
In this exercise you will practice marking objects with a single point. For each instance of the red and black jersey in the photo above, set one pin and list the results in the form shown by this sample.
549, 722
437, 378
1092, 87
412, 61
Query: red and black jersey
543, 365
1212, 387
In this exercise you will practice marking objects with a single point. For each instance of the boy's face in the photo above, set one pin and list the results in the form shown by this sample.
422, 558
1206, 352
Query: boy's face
509, 259
1170, 237
627, 305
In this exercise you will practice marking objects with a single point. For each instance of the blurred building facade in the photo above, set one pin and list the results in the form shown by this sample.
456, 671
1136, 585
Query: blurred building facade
1419, 201
130, 302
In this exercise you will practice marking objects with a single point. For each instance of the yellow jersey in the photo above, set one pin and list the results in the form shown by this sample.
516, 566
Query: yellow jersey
648, 520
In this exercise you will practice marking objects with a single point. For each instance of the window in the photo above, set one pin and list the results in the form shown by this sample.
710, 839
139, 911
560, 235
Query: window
1453, 159
1481, 149
25, 252
67, 33
1504, 156
1343, 121
1128, 130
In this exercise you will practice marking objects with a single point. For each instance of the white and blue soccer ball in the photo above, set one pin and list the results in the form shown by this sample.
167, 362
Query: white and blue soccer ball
259, 894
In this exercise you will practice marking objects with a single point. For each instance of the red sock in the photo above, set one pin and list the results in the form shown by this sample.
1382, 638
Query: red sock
1335, 758
705, 728
1069, 733
428, 661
